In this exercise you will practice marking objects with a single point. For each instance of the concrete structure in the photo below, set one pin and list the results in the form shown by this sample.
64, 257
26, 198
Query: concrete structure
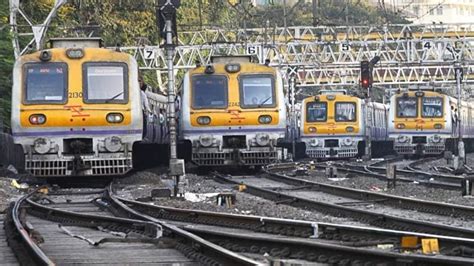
432, 11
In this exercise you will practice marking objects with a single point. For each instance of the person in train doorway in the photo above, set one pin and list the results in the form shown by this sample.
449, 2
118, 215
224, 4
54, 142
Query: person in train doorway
145, 105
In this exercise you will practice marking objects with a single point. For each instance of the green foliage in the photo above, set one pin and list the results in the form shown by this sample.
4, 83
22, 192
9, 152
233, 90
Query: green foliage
123, 22
6, 64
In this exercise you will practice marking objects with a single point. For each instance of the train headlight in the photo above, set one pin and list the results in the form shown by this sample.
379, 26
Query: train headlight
312, 129
37, 119
113, 144
348, 141
262, 139
232, 68
349, 129
75, 53
115, 118
419, 94
436, 139
41, 145
206, 140
401, 126
314, 142
264, 119
402, 139
438, 126
204, 120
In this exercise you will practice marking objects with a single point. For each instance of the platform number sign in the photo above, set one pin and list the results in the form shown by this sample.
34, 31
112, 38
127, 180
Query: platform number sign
345, 47
254, 50
149, 53
427, 45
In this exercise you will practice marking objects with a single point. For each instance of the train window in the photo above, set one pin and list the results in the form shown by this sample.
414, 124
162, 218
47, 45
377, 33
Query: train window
105, 82
209, 91
45, 83
407, 106
345, 112
257, 91
432, 107
316, 111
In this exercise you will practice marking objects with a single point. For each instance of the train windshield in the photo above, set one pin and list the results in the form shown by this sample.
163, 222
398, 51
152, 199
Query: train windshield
256, 91
105, 83
45, 83
209, 91
345, 112
407, 106
432, 107
316, 112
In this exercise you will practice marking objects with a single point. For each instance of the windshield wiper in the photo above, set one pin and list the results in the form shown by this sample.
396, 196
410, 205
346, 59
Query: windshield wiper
113, 98
262, 103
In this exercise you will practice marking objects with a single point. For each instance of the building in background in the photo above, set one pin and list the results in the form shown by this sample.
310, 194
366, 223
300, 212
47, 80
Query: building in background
431, 11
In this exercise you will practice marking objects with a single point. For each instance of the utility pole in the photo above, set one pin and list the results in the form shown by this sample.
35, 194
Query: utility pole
461, 151
167, 13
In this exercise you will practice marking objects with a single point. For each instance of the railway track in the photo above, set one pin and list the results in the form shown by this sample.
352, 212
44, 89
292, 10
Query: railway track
70, 229
348, 235
446, 209
406, 176
277, 246
302, 197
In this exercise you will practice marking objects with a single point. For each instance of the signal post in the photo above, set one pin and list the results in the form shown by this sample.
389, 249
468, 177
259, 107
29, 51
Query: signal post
166, 17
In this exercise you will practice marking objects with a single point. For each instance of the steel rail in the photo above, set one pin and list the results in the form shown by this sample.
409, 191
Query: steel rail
400, 202
347, 234
220, 254
312, 250
372, 218
25, 248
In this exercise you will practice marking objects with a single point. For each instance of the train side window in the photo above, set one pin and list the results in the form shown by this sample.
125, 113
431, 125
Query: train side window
257, 91
345, 112
209, 91
432, 107
316, 112
407, 107
45, 83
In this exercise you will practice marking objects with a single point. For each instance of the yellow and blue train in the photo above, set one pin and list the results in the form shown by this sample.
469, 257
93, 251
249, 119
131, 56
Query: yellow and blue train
336, 125
76, 109
425, 122
233, 112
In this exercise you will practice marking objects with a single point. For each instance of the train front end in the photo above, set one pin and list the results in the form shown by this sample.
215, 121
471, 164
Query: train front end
233, 113
420, 122
76, 111
331, 126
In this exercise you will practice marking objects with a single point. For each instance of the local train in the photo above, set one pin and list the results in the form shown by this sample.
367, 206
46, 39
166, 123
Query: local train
334, 125
233, 112
76, 109
425, 122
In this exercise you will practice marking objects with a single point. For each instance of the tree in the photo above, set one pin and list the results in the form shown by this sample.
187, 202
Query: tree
6, 64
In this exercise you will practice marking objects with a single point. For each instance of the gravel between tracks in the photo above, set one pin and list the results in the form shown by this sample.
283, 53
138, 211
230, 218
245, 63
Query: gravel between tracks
245, 203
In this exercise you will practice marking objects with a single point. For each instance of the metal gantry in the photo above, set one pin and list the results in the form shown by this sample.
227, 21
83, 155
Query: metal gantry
36, 32
319, 56
330, 56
